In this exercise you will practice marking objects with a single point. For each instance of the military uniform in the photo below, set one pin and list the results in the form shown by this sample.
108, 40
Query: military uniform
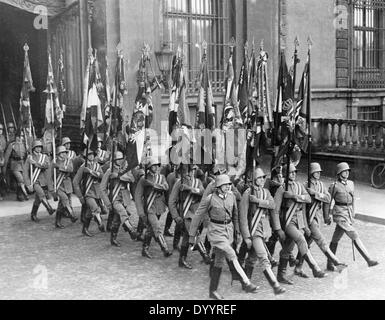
342, 192
293, 219
116, 195
64, 188
222, 212
87, 188
183, 203
150, 204
3, 184
15, 155
37, 177
256, 206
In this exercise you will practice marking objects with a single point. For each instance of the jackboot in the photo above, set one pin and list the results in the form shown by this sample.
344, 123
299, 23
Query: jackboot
182, 258
34, 213
212, 263
146, 246
364, 253
127, 226
242, 253
163, 245
71, 214
177, 236
214, 282
19, 194
58, 220
336, 265
86, 225
298, 268
249, 272
99, 221
282, 267
317, 272
333, 248
234, 274
139, 230
109, 221
47, 205
83, 213
273, 282
203, 253
113, 240
24, 192
167, 226
247, 286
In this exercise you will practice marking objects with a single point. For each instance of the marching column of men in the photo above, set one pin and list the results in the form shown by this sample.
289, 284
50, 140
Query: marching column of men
238, 221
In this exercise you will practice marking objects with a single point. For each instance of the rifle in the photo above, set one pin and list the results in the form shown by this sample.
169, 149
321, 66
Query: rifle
5, 123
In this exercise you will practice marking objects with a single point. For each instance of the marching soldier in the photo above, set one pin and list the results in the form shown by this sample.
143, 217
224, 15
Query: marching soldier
316, 211
11, 132
342, 192
221, 209
294, 222
16, 154
3, 146
115, 192
87, 188
36, 175
66, 142
138, 173
64, 167
169, 171
150, 204
255, 207
183, 202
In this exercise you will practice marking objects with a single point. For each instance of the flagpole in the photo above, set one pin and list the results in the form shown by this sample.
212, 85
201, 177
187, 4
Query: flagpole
308, 109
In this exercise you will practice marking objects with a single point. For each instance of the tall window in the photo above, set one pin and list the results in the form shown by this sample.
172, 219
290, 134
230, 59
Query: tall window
368, 43
187, 24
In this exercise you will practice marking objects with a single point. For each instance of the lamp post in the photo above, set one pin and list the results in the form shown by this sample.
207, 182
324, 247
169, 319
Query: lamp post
164, 59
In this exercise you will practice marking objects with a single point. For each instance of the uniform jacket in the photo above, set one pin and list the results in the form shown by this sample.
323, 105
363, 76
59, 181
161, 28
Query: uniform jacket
177, 198
64, 168
15, 155
343, 195
108, 185
81, 177
319, 200
103, 156
283, 204
143, 191
218, 208
71, 154
33, 162
3, 146
248, 208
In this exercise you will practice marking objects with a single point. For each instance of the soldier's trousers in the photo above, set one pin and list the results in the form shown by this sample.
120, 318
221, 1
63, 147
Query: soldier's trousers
19, 177
341, 229
40, 193
185, 230
154, 225
317, 236
258, 253
294, 236
121, 213
64, 200
93, 207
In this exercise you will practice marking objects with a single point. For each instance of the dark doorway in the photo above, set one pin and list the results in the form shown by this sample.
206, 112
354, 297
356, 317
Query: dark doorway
17, 28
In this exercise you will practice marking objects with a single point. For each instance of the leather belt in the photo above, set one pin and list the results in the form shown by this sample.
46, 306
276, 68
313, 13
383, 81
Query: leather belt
343, 203
220, 222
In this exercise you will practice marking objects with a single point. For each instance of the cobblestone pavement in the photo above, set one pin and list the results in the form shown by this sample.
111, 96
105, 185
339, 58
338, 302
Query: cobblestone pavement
40, 262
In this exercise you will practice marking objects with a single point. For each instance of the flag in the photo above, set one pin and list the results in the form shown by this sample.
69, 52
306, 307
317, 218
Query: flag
179, 114
283, 113
27, 87
205, 106
61, 81
91, 115
303, 110
243, 90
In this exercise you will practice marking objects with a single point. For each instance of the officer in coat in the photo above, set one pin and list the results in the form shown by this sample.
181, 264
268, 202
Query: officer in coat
116, 195
37, 177
151, 204
342, 193
183, 203
315, 213
256, 206
292, 205
222, 211
64, 169
87, 188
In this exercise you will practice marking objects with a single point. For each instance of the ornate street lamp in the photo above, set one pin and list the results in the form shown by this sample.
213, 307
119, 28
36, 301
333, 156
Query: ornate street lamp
164, 60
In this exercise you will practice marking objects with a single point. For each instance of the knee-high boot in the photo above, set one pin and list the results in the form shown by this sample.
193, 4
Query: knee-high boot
214, 283
35, 208
245, 281
282, 267
163, 245
127, 226
58, 220
202, 251
364, 253
86, 225
317, 272
182, 258
273, 281
146, 245
47, 205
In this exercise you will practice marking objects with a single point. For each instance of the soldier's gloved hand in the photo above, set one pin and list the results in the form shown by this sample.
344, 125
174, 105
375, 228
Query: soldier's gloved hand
307, 232
288, 195
179, 220
249, 243
281, 235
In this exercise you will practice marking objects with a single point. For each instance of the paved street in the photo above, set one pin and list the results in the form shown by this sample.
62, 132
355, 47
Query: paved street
40, 262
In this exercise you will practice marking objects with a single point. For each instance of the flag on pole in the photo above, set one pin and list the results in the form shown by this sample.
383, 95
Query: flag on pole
243, 87
205, 107
27, 87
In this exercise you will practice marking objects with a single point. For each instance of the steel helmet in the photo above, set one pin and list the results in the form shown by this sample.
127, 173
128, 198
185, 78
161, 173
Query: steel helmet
10, 125
37, 143
292, 168
219, 169
65, 141
222, 180
118, 155
343, 166
152, 162
61, 149
315, 167
259, 173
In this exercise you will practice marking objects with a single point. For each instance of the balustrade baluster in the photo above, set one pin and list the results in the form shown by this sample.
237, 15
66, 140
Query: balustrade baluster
339, 135
348, 137
355, 136
370, 135
333, 137
378, 142
328, 133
